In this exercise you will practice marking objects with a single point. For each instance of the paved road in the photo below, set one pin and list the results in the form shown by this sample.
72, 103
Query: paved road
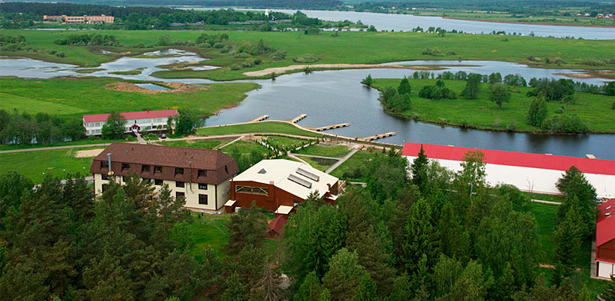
547, 202
338, 163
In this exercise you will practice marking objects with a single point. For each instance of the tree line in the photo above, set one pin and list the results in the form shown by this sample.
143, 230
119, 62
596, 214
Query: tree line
24, 128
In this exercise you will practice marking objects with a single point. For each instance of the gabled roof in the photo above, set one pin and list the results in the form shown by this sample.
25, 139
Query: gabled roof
593, 166
277, 224
132, 115
218, 165
605, 223
297, 178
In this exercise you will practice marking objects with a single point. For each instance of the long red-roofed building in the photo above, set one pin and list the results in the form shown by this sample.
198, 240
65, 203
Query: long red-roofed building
605, 240
145, 121
528, 172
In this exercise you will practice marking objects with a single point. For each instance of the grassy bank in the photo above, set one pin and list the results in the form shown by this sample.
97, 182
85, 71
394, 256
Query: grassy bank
76, 96
376, 47
36, 165
259, 127
594, 110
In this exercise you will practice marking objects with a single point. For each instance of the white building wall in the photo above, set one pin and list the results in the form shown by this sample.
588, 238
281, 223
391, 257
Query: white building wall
606, 269
191, 191
148, 124
532, 179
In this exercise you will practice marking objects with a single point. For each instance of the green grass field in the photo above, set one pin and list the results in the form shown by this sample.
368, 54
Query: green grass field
335, 151
36, 165
259, 127
376, 47
76, 96
209, 231
356, 162
208, 144
594, 110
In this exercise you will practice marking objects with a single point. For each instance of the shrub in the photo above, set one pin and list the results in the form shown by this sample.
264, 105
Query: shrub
249, 62
242, 55
511, 126
307, 58
565, 123
235, 67
559, 111
278, 55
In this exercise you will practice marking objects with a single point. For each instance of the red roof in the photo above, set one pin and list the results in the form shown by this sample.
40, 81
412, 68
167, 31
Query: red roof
132, 115
277, 224
594, 166
605, 226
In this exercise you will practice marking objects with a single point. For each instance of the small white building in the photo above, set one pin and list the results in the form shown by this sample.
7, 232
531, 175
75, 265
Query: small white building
200, 176
528, 172
143, 121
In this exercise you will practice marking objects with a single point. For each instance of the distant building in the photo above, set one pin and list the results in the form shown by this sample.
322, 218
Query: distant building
144, 121
201, 176
528, 172
81, 19
605, 240
280, 185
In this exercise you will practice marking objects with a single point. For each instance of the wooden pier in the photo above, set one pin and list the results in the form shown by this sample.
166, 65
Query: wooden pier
376, 137
298, 118
330, 127
260, 118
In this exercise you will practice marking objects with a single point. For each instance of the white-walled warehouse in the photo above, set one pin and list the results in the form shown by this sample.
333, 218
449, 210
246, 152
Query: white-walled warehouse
528, 172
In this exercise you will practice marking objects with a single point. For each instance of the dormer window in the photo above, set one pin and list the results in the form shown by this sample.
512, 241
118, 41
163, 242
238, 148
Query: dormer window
202, 173
125, 166
179, 171
157, 169
104, 164
145, 168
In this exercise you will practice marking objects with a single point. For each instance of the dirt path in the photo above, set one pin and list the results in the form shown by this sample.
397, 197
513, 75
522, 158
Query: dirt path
174, 88
281, 70
88, 153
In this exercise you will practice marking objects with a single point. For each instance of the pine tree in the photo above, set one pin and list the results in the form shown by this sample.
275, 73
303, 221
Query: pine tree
421, 238
368, 81
310, 289
419, 169
609, 291
367, 289
568, 241
344, 275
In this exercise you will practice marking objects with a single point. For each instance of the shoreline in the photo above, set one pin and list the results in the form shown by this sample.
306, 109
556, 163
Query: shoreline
524, 23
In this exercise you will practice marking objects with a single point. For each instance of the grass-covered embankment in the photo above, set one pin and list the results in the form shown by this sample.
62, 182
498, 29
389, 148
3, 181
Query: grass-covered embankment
257, 127
375, 47
37, 165
594, 110
76, 96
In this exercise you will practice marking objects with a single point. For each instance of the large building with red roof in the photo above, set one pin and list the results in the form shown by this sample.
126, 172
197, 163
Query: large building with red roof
605, 240
143, 121
528, 172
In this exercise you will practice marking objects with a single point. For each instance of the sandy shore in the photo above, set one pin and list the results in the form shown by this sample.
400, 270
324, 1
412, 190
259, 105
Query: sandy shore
88, 153
282, 70
174, 86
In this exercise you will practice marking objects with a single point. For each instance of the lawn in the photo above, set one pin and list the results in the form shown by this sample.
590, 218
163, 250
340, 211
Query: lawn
594, 110
208, 144
353, 168
245, 147
36, 165
376, 47
285, 142
325, 150
76, 96
546, 216
259, 127
316, 163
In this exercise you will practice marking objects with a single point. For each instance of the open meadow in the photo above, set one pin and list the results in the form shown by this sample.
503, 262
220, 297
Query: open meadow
376, 47
593, 109
77, 96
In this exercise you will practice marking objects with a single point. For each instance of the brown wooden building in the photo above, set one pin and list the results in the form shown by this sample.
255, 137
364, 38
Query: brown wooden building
275, 183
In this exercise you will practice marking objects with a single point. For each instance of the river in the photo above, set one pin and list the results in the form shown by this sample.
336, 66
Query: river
331, 97
408, 22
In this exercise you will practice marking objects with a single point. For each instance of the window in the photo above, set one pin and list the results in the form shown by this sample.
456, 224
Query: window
179, 171
124, 178
252, 190
226, 168
145, 168
158, 182
105, 176
180, 195
157, 169
202, 199
104, 164
202, 186
105, 187
202, 173
125, 166
179, 184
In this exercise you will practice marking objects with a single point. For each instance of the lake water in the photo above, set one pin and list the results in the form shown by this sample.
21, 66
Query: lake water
331, 97
407, 22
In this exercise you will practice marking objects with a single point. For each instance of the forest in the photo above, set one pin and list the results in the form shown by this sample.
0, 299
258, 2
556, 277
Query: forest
436, 235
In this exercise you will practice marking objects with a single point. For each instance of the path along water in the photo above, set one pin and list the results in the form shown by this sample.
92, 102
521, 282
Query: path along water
330, 97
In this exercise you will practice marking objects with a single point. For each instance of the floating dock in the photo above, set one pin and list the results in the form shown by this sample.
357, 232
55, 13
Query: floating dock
260, 118
376, 137
330, 127
298, 118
